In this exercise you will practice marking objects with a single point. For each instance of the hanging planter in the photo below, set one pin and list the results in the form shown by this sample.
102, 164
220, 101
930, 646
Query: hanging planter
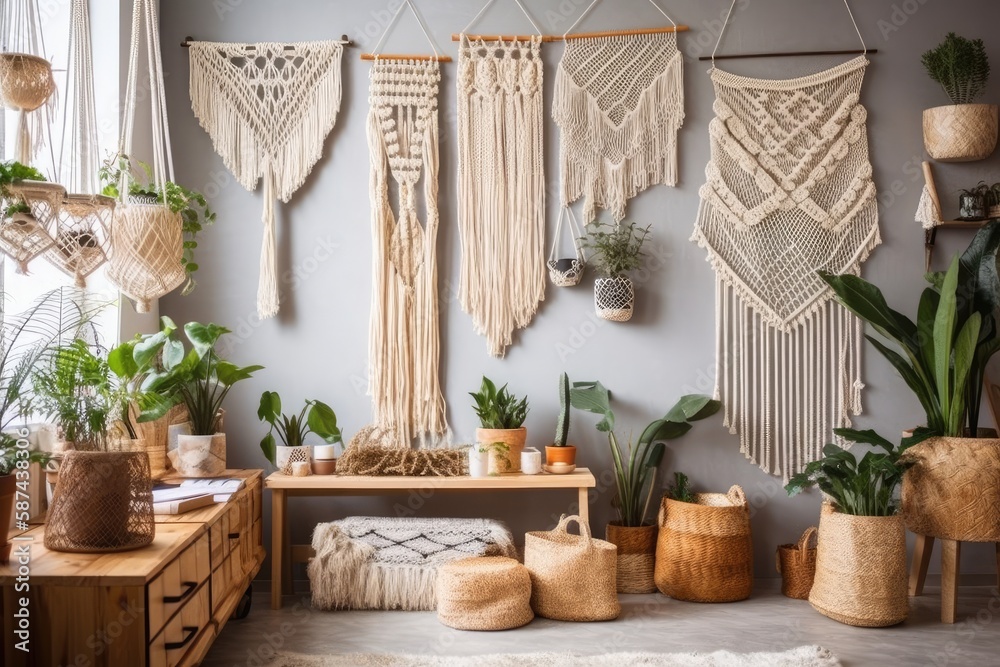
28, 208
567, 271
81, 242
147, 247
26, 81
23, 238
616, 251
614, 299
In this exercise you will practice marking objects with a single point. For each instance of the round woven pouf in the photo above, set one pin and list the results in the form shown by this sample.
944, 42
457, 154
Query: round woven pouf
492, 593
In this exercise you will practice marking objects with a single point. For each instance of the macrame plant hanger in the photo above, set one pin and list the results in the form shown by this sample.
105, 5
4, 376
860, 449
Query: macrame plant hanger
566, 271
268, 108
147, 237
789, 192
404, 339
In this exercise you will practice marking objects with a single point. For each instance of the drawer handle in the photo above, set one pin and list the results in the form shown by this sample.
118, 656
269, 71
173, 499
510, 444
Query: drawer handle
189, 587
234, 536
189, 633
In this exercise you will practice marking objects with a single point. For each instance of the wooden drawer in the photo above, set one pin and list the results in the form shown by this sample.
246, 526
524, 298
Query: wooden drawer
219, 535
222, 584
186, 629
175, 586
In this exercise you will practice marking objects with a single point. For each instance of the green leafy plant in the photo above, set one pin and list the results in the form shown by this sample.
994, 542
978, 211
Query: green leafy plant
498, 409
562, 426
636, 465
191, 205
680, 490
980, 190
865, 487
12, 172
11, 454
616, 249
942, 356
961, 66
316, 417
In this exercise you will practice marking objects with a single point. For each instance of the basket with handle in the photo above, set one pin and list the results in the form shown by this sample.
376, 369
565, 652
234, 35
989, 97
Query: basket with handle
573, 577
796, 564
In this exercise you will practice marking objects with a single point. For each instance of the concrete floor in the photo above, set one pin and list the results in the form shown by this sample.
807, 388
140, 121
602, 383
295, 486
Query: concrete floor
766, 622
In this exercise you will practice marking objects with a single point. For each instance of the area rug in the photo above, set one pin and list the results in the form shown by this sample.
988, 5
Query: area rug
803, 656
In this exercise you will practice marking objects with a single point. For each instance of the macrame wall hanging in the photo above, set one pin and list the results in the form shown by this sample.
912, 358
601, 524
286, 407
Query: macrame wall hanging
619, 102
26, 81
268, 108
501, 182
789, 193
404, 344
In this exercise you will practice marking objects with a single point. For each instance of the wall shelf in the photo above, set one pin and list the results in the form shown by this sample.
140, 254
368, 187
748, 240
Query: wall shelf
930, 235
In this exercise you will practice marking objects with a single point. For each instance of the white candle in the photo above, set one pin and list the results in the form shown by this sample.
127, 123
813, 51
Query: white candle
300, 468
324, 452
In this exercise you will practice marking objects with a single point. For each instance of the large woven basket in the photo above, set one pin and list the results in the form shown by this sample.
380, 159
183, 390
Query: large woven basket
147, 247
960, 132
704, 552
491, 593
102, 502
573, 577
861, 569
796, 564
26, 81
636, 557
952, 490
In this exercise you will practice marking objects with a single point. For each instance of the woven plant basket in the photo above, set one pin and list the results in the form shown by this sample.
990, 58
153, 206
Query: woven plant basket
704, 552
614, 299
796, 564
147, 246
566, 272
156, 454
861, 569
102, 502
26, 81
23, 238
81, 242
952, 490
573, 577
960, 132
489, 593
636, 557
513, 438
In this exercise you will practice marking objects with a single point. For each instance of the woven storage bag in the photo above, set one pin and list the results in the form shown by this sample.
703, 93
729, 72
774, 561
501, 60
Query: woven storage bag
614, 299
704, 552
572, 576
26, 81
491, 593
796, 564
636, 557
861, 569
146, 249
960, 132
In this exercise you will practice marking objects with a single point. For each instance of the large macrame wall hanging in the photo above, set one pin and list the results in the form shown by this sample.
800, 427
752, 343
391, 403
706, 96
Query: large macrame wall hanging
268, 108
619, 102
501, 185
789, 193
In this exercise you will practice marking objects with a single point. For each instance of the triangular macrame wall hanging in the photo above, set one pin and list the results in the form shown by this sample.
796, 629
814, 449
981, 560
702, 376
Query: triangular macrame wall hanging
268, 108
789, 193
404, 343
619, 102
501, 181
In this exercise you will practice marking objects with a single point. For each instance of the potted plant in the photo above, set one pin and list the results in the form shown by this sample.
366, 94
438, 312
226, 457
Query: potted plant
861, 577
488, 459
963, 131
952, 489
559, 451
501, 417
974, 202
616, 250
316, 417
200, 380
636, 466
21, 235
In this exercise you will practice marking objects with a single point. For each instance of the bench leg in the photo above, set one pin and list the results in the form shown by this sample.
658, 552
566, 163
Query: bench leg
951, 553
584, 504
998, 565
277, 546
921, 559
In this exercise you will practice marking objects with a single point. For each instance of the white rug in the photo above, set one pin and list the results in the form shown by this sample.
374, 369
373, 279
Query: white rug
803, 656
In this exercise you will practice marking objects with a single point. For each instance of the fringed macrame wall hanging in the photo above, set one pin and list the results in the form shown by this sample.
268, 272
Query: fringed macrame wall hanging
268, 108
501, 182
26, 81
619, 102
789, 193
404, 344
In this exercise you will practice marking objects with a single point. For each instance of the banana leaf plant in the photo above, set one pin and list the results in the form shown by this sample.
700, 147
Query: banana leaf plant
637, 464
316, 417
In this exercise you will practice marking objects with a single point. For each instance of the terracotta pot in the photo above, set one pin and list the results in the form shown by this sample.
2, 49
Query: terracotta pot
514, 438
201, 455
8, 488
636, 556
952, 491
565, 454
960, 132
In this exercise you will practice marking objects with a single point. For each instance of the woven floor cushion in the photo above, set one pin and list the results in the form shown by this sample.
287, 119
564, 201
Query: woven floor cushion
492, 593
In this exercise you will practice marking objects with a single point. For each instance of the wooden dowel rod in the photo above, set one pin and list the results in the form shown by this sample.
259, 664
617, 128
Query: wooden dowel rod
505, 38
932, 188
345, 40
622, 33
403, 56
785, 54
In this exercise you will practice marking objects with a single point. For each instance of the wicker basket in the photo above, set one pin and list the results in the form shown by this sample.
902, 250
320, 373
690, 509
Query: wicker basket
491, 593
861, 569
614, 299
796, 564
26, 81
102, 502
636, 557
704, 552
157, 455
960, 132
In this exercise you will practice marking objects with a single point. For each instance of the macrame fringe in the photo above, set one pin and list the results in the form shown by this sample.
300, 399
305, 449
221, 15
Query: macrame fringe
927, 213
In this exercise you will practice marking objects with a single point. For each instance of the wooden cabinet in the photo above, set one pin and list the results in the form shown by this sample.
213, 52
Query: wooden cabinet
159, 606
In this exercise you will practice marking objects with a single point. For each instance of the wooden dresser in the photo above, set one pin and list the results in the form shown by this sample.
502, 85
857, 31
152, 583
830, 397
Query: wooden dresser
160, 606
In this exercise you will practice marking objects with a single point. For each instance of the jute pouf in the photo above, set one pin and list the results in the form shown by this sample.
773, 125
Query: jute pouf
492, 593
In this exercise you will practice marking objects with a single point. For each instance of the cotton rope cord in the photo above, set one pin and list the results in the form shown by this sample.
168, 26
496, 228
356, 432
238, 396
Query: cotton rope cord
789, 192
573, 274
489, 4
404, 343
501, 186
392, 22
268, 108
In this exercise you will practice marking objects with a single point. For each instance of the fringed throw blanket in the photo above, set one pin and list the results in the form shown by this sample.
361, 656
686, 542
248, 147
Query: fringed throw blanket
268, 108
501, 186
789, 193
404, 345
619, 102
391, 563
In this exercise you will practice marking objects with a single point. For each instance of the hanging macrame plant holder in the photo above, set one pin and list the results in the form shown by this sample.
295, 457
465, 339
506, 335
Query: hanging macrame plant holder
26, 81
81, 239
567, 271
146, 238
614, 298
24, 235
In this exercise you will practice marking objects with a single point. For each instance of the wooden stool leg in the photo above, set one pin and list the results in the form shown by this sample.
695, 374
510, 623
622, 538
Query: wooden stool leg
998, 564
921, 559
951, 553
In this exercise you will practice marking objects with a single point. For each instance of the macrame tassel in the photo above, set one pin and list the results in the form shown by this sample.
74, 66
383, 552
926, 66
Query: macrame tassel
267, 291
927, 213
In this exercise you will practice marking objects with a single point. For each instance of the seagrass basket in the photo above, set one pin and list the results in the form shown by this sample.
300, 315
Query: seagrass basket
960, 132
636, 557
26, 81
796, 564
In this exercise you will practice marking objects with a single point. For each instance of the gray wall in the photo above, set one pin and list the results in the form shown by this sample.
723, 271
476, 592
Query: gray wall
317, 347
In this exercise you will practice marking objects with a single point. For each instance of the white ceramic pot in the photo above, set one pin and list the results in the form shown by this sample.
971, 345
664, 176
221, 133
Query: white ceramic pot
479, 462
175, 430
531, 461
284, 457
201, 455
